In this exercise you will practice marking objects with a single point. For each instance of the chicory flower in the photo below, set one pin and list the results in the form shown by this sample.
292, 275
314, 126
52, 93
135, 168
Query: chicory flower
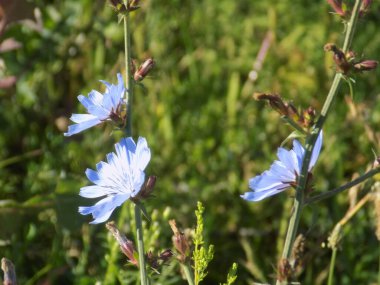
119, 179
283, 173
100, 107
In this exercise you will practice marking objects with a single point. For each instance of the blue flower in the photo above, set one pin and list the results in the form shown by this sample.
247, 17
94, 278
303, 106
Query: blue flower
283, 173
119, 179
100, 107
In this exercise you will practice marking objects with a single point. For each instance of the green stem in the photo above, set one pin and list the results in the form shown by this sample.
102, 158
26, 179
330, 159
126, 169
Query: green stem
310, 142
140, 246
188, 273
128, 75
332, 266
346, 186
293, 124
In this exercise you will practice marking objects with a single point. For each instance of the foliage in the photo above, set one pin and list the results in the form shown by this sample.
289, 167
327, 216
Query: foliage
207, 135
201, 254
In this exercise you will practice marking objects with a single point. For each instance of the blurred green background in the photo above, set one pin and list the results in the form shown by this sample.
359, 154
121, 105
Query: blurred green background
207, 134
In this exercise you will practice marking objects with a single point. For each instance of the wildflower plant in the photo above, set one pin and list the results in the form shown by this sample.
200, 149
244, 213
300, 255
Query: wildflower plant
100, 107
293, 167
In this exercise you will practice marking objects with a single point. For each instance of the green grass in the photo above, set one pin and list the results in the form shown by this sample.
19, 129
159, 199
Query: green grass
207, 135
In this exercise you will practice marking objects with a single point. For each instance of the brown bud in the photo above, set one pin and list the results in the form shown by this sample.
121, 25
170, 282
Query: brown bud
275, 101
308, 117
284, 270
125, 244
147, 188
339, 58
337, 6
365, 65
364, 7
144, 69
9, 272
180, 242
166, 255
118, 5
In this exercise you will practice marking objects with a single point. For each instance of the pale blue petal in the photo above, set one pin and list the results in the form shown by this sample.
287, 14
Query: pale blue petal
264, 182
77, 128
260, 195
80, 118
299, 151
93, 191
279, 170
85, 101
103, 209
142, 153
288, 158
99, 112
316, 150
95, 97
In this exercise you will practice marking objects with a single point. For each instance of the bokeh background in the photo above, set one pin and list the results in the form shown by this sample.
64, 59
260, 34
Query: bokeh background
207, 134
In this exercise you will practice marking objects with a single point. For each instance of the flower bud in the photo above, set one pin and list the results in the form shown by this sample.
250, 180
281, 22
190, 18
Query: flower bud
339, 58
365, 65
275, 102
364, 7
284, 270
337, 6
125, 244
180, 242
9, 272
119, 6
144, 69
147, 188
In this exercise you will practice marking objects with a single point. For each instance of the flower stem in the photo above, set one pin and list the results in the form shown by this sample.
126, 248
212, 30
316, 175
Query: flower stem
310, 142
332, 266
140, 246
188, 273
346, 186
128, 75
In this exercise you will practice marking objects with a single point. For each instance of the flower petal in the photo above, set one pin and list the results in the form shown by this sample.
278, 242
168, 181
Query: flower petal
103, 209
260, 195
316, 150
77, 128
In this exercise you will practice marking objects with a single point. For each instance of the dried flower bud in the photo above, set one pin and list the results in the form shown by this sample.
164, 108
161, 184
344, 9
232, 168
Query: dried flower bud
284, 270
350, 55
337, 6
133, 5
119, 6
275, 101
339, 58
364, 7
9, 272
125, 244
180, 242
166, 255
308, 117
298, 252
365, 65
292, 111
144, 69
147, 188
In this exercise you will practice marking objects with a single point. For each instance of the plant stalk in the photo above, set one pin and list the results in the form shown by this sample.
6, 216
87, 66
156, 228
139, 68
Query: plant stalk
188, 273
342, 188
128, 76
332, 266
310, 142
